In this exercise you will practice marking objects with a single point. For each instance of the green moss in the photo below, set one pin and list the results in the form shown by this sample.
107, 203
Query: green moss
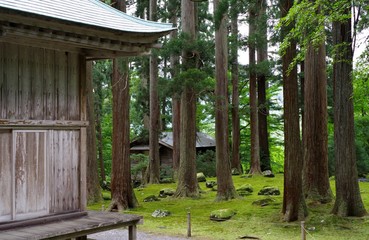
263, 222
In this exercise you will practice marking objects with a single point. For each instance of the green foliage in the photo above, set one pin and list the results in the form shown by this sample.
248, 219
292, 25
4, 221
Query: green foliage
206, 163
139, 163
220, 12
361, 87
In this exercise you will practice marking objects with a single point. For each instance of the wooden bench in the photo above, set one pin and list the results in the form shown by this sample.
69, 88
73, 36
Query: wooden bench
76, 226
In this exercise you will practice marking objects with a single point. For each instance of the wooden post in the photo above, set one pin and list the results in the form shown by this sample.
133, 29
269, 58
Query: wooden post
303, 233
188, 224
132, 232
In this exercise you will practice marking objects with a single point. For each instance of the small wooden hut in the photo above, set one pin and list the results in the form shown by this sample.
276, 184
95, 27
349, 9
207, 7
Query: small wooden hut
44, 46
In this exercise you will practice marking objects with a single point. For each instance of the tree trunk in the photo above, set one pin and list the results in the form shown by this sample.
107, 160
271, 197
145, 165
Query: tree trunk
176, 102
348, 199
98, 113
263, 112
93, 186
236, 138
122, 193
254, 156
315, 174
294, 207
154, 159
226, 189
187, 180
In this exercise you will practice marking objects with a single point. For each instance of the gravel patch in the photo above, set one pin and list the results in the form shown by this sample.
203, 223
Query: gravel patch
122, 234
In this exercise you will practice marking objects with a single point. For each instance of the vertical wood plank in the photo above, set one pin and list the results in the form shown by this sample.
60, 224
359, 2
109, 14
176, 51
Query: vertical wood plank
37, 84
24, 78
2, 88
73, 86
83, 170
61, 77
49, 84
85, 68
11, 80
5, 175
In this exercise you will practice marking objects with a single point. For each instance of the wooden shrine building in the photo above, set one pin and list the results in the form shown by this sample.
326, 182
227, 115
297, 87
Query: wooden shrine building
44, 46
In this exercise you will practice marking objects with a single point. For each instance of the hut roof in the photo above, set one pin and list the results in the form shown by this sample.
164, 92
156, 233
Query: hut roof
202, 140
86, 12
89, 27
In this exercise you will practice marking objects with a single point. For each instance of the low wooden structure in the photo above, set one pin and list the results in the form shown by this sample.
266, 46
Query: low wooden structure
44, 49
203, 142
70, 226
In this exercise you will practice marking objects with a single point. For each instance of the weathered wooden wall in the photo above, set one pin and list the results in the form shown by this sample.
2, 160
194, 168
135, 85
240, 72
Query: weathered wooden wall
41, 132
38, 84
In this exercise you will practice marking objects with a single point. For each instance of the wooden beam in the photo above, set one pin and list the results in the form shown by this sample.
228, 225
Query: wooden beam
26, 123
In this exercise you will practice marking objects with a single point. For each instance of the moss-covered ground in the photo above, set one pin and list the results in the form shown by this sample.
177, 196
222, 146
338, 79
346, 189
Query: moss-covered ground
262, 222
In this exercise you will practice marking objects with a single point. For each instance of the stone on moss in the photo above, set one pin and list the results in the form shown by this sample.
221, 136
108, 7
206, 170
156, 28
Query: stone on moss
160, 213
269, 191
151, 198
263, 202
166, 192
222, 214
210, 184
235, 172
201, 177
245, 190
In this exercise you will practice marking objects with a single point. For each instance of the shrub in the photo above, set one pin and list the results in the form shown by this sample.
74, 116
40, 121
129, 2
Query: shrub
206, 163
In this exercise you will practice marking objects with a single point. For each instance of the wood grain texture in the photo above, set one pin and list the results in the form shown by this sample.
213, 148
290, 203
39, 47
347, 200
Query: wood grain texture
5, 174
75, 227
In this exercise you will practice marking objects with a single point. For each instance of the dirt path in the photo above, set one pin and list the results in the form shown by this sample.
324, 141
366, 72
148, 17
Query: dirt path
122, 234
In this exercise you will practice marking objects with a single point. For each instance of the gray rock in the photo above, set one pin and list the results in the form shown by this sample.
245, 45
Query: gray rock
201, 177
268, 173
235, 171
151, 198
160, 213
263, 202
269, 191
210, 184
166, 192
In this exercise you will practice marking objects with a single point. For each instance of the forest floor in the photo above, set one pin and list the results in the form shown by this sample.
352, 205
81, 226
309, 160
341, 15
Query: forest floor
250, 221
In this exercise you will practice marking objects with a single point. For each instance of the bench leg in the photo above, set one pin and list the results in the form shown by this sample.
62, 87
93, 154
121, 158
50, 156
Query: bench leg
132, 232
81, 238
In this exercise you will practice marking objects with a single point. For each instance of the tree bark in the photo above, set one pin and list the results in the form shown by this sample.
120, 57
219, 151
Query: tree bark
98, 114
348, 199
187, 180
294, 207
254, 122
263, 112
315, 174
236, 138
93, 186
122, 193
176, 102
154, 159
226, 189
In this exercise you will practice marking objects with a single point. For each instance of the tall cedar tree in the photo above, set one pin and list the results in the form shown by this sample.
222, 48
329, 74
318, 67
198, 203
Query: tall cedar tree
122, 195
348, 199
255, 155
226, 188
98, 83
93, 186
187, 180
262, 58
315, 137
154, 160
294, 207
176, 103
236, 138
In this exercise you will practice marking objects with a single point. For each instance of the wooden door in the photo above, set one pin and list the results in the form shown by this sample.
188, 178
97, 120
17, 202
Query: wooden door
30, 175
